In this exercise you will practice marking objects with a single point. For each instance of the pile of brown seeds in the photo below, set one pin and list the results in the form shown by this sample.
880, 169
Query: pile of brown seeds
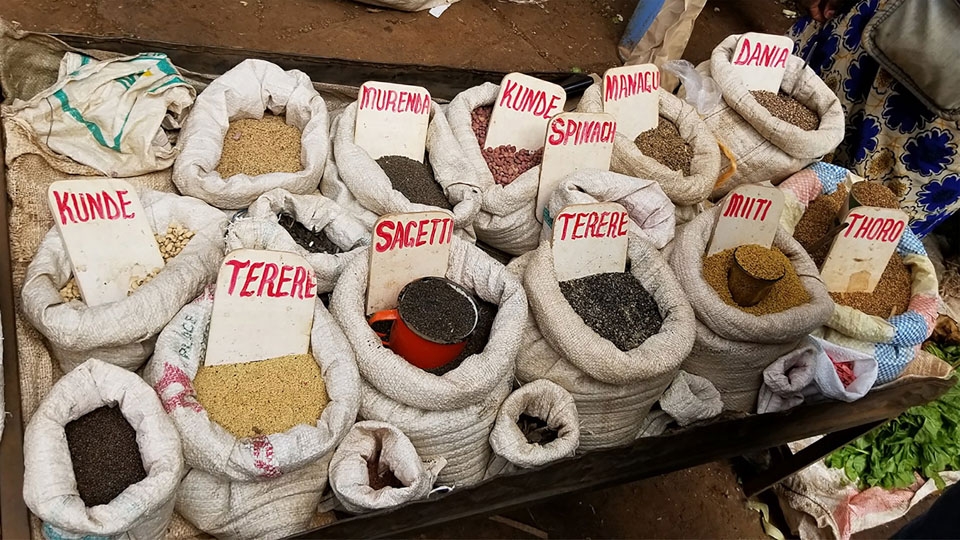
616, 306
314, 242
105, 455
874, 194
536, 430
786, 293
255, 146
788, 109
506, 163
890, 297
757, 262
664, 144
414, 180
381, 479
819, 218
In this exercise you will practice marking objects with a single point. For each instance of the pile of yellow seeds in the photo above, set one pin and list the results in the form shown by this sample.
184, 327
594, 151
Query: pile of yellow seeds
70, 291
255, 146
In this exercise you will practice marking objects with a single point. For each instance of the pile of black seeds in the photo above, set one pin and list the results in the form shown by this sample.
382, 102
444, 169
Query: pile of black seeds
105, 455
616, 306
435, 310
788, 109
487, 312
536, 430
314, 242
414, 180
664, 144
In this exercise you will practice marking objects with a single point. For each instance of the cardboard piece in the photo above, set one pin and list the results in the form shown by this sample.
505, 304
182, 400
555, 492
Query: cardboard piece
750, 214
392, 120
406, 247
263, 307
522, 110
574, 141
106, 234
860, 253
761, 60
632, 95
590, 239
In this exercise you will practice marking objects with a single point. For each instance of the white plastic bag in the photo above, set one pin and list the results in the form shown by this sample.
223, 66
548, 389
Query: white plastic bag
408, 5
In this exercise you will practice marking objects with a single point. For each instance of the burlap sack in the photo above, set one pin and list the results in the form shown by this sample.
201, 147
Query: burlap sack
651, 213
143, 510
613, 389
688, 399
507, 218
390, 449
357, 179
315, 212
764, 147
732, 347
540, 399
683, 190
123, 332
252, 88
447, 416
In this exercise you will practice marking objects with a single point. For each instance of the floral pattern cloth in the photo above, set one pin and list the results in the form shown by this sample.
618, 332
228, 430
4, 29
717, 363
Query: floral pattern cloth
891, 136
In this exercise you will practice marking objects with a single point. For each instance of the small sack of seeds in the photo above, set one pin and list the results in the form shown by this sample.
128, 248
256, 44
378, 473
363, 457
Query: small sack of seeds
263, 152
683, 157
123, 332
612, 387
395, 184
61, 456
763, 146
537, 424
448, 415
376, 466
732, 347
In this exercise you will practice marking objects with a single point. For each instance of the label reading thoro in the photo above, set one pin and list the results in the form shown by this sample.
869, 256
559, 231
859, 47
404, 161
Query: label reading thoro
106, 234
522, 110
263, 307
392, 120
860, 253
632, 95
590, 239
750, 214
761, 60
406, 247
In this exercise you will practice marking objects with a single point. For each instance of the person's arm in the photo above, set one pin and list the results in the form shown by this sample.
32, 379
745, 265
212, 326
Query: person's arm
823, 10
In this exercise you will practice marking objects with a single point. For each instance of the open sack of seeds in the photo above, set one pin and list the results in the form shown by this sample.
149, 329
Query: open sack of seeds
537, 424
448, 415
680, 154
322, 231
394, 184
190, 235
613, 341
101, 458
892, 322
770, 136
253, 129
376, 466
733, 344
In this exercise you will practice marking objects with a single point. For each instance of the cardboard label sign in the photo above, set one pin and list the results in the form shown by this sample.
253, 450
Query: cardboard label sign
860, 253
392, 120
750, 214
632, 95
522, 110
263, 307
590, 239
574, 141
761, 60
406, 247
106, 234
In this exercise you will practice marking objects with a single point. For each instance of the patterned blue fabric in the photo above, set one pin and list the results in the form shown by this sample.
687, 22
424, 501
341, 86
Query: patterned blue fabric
891, 361
910, 329
910, 244
830, 175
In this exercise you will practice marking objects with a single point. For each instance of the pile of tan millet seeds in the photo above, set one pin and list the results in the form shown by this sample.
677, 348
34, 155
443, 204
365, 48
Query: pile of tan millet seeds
787, 293
664, 144
255, 146
890, 297
788, 109
821, 216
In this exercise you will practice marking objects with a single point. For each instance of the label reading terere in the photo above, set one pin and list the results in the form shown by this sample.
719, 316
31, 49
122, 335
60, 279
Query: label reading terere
522, 110
761, 60
750, 214
392, 120
590, 239
574, 141
406, 247
632, 95
106, 234
263, 307
860, 253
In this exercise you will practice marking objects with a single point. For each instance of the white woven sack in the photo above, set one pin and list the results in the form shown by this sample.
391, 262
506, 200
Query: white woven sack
368, 440
613, 389
733, 347
507, 219
357, 179
446, 416
144, 509
250, 89
766, 148
683, 190
315, 212
123, 332
540, 399
651, 213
